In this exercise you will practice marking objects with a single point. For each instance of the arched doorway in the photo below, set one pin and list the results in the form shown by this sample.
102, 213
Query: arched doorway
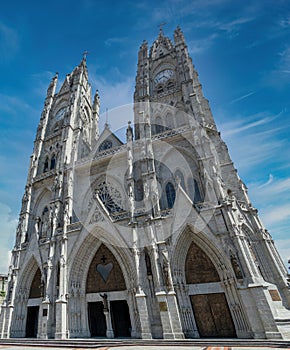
108, 311
209, 303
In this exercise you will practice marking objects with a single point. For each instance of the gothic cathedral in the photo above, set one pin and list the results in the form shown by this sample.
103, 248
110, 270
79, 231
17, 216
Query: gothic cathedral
150, 237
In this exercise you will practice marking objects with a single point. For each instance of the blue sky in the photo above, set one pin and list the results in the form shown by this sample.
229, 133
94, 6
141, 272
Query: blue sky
241, 50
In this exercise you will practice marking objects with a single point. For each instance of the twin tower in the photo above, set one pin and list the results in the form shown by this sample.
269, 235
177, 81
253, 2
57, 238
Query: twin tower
150, 237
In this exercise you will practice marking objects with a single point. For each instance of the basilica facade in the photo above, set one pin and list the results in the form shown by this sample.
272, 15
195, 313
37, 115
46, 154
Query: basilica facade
150, 237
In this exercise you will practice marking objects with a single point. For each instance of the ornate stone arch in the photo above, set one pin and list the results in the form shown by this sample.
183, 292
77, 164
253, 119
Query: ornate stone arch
223, 267
80, 264
77, 276
183, 242
22, 291
28, 274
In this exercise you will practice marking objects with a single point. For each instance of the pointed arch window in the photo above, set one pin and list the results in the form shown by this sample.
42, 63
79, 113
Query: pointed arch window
193, 190
197, 195
139, 190
45, 168
53, 162
170, 195
148, 264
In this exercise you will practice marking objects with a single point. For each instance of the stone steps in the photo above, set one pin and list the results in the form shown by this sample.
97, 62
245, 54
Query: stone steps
98, 343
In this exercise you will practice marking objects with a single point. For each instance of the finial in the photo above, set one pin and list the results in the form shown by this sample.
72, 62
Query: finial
85, 55
161, 27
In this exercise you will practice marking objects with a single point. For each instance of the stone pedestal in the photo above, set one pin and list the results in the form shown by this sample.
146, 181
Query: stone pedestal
170, 319
174, 316
43, 320
164, 314
144, 317
61, 319
109, 332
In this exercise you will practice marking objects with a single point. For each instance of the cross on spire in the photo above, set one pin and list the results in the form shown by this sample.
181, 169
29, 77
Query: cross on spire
85, 54
103, 259
161, 27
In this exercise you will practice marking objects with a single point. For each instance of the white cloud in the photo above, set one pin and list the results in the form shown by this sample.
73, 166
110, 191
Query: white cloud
277, 214
273, 188
245, 123
13, 104
201, 45
270, 180
116, 40
7, 236
242, 97
9, 41
234, 25
279, 76
256, 140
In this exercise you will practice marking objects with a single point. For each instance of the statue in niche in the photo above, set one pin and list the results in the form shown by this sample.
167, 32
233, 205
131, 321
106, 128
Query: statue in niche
236, 267
37, 226
46, 223
165, 270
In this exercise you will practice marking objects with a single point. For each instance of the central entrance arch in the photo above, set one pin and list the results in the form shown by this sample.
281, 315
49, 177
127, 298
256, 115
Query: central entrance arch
108, 312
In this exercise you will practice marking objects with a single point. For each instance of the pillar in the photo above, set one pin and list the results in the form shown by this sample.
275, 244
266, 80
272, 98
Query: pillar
144, 317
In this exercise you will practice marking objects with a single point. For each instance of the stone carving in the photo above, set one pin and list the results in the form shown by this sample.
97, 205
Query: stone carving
104, 270
46, 223
105, 301
236, 267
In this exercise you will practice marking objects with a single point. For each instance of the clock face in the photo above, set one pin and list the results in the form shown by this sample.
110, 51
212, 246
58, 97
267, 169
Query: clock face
60, 113
163, 76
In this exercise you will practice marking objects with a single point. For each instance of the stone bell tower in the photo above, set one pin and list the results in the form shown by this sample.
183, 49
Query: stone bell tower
194, 173
67, 131
167, 75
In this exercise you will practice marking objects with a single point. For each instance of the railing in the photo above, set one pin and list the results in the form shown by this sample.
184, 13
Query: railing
44, 175
109, 152
169, 133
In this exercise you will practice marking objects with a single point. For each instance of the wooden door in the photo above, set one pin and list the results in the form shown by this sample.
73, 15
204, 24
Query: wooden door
97, 319
32, 321
212, 316
120, 318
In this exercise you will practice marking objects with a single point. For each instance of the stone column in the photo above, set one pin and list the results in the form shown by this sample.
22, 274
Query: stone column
43, 320
164, 314
61, 331
6, 316
109, 332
